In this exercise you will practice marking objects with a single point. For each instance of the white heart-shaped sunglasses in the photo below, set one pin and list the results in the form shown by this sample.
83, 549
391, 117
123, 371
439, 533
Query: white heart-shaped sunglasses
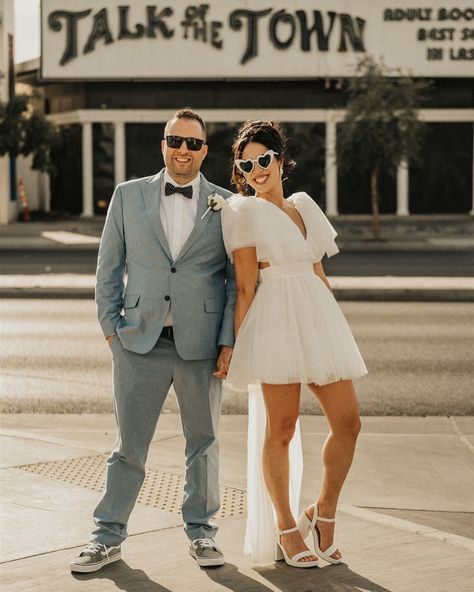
263, 161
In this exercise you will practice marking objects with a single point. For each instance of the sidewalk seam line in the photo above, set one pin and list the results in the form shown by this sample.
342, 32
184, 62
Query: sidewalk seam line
43, 441
407, 526
83, 544
415, 510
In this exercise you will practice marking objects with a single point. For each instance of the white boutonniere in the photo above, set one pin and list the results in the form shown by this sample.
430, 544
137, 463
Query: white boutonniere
215, 203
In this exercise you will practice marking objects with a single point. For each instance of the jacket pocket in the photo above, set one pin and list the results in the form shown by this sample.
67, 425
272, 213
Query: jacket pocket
131, 300
213, 305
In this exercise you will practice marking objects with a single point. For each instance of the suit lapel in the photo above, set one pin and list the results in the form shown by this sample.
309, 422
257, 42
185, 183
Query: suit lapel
151, 192
199, 224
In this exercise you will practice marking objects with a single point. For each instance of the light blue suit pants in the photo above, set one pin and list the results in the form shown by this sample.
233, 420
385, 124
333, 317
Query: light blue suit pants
141, 383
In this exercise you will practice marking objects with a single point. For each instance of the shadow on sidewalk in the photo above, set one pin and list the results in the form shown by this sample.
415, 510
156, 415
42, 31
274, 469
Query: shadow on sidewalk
328, 579
229, 576
332, 578
125, 578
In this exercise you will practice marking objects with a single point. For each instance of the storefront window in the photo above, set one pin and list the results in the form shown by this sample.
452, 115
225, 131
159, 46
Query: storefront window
353, 190
306, 145
217, 164
442, 181
66, 177
103, 139
143, 149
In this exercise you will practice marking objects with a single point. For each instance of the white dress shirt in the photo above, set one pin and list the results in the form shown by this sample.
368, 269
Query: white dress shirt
178, 216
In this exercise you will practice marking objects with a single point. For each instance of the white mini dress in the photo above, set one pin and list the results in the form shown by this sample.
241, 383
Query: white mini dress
293, 332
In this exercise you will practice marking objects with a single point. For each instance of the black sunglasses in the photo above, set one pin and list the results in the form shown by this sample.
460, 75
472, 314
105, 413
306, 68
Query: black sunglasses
193, 144
263, 161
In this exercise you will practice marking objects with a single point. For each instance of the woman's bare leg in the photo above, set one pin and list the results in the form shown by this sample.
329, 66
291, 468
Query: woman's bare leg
339, 402
282, 406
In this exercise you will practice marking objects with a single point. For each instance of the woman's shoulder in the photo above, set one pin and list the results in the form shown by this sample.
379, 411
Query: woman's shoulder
307, 204
301, 198
237, 200
320, 230
240, 226
238, 204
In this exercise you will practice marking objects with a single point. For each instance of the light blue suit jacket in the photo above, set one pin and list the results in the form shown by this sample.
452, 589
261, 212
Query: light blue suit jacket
199, 284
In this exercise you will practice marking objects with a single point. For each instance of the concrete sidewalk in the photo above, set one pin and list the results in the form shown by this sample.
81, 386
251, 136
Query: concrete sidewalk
404, 523
385, 288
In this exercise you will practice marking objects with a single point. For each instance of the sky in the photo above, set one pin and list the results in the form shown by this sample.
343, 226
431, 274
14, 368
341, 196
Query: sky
27, 30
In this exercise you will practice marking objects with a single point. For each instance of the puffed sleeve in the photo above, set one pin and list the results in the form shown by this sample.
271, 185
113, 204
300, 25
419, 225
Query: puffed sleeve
321, 233
239, 223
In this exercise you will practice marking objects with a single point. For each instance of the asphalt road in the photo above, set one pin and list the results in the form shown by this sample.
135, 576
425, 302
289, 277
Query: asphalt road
419, 355
347, 263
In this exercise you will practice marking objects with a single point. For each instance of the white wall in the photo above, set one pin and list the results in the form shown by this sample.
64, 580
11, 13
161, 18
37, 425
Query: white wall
36, 185
8, 209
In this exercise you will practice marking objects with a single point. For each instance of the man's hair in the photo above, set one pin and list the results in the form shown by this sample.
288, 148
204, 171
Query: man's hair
187, 113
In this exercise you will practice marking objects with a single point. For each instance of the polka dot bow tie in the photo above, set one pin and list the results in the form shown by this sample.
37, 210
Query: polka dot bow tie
187, 191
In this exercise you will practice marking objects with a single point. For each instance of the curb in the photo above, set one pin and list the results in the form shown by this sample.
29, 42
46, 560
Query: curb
406, 295
373, 295
344, 247
35, 246
60, 293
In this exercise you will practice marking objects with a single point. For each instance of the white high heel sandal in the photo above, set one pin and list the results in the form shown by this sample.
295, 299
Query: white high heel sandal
280, 553
305, 525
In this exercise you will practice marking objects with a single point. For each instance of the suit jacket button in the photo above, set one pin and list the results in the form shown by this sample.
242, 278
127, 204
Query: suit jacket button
173, 270
167, 298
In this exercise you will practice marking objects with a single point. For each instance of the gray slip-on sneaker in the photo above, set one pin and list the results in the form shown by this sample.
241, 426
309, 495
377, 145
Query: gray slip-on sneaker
206, 552
94, 557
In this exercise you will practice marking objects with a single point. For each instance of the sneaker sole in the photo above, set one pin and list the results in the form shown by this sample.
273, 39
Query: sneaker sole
202, 562
94, 567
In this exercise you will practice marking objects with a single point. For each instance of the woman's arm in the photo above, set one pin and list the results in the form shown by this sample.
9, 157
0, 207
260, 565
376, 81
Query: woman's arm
246, 277
318, 270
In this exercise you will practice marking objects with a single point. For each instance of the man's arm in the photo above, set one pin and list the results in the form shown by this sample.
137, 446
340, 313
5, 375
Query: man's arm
226, 334
111, 267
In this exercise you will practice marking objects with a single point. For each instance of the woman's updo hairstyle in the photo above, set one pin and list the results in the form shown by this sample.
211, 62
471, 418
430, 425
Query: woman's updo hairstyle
268, 133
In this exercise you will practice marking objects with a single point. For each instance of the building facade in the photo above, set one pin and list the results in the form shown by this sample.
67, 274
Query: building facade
112, 75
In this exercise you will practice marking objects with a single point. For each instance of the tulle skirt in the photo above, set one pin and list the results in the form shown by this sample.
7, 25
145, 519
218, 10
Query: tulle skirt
294, 332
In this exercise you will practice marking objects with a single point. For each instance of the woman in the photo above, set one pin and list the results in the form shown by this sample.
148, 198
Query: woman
289, 331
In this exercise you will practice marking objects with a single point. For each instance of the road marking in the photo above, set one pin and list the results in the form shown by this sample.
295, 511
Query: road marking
70, 238
44, 280
339, 282
407, 526
391, 282
466, 243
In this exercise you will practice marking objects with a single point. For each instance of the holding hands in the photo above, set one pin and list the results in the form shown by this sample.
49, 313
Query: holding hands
223, 361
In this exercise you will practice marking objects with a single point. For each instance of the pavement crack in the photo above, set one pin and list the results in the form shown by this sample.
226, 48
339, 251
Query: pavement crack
32, 506
462, 437
50, 441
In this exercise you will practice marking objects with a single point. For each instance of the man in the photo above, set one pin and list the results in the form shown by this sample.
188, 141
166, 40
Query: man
168, 326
